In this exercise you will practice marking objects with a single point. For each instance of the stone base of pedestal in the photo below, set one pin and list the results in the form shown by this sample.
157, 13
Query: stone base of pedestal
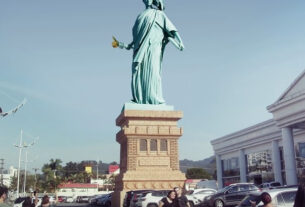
154, 180
149, 152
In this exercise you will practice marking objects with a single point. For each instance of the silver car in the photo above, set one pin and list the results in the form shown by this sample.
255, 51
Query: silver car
281, 197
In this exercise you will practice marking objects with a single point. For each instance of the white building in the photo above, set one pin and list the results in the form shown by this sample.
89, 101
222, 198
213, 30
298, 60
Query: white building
7, 177
77, 189
268, 151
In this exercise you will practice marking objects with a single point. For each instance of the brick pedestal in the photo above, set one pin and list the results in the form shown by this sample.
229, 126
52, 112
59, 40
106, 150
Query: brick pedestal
149, 152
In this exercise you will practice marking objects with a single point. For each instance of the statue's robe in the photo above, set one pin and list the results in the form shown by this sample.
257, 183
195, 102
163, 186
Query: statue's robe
150, 36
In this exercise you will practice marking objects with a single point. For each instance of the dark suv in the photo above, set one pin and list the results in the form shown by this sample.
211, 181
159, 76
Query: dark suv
230, 195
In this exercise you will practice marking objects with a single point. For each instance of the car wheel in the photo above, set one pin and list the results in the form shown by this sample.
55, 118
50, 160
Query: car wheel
219, 203
152, 205
191, 204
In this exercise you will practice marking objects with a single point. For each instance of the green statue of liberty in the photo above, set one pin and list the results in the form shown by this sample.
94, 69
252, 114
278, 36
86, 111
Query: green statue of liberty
151, 33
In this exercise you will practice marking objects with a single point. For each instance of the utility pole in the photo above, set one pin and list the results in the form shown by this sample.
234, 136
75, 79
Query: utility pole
21, 146
26, 161
97, 165
1, 169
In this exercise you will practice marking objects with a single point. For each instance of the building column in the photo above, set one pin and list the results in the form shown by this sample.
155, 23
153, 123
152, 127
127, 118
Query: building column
219, 171
289, 156
276, 160
242, 166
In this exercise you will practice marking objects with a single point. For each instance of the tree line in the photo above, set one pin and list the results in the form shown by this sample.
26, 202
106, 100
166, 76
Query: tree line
54, 173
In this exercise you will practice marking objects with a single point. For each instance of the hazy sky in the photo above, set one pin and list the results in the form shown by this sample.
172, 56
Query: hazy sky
239, 57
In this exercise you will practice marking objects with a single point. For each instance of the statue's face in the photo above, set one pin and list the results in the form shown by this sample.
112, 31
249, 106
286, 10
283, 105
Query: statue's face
147, 2
159, 4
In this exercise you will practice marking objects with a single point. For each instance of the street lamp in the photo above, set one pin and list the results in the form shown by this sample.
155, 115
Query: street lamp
26, 161
21, 146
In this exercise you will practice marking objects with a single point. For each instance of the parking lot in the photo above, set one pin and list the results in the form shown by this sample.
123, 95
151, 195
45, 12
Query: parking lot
73, 204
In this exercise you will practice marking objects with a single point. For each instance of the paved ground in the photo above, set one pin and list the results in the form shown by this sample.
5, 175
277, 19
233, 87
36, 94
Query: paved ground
73, 205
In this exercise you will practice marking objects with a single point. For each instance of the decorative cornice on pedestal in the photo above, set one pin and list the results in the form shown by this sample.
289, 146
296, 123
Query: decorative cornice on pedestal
147, 115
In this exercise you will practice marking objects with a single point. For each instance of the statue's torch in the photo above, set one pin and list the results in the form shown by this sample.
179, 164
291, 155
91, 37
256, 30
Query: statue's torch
115, 42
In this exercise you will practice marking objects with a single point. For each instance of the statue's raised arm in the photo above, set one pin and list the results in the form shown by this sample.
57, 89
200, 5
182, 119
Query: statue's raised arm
151, 33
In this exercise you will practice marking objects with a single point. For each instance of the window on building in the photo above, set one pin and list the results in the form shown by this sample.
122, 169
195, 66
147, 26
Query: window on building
143, 145
153, 145
302, 149
163, 145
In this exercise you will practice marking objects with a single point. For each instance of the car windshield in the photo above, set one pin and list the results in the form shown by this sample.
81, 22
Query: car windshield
275, 184
223, 189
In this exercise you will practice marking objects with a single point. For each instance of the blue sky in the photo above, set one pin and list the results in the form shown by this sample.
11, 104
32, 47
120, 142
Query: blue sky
239, 57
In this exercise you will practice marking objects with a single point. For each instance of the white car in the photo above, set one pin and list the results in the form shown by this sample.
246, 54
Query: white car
281, 197
193, 200
150, 198
198, 195
69, 200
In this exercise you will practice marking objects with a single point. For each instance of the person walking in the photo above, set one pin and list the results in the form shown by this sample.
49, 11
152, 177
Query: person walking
169, 200
300, 196
3, 196
181, 200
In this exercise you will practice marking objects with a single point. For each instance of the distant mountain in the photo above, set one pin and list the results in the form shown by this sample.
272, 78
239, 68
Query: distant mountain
209, 164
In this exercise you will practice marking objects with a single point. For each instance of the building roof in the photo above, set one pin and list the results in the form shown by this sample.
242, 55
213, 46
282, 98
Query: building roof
294, 84
113, 168
77, 185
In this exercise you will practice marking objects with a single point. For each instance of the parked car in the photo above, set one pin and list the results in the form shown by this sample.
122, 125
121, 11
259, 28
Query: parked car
52, 199
62, 199
100, 199
230, 195
105, 200
131, 197
197, 196
69, 200
270, 185
93, 200
282, 197
82, 199
150, 198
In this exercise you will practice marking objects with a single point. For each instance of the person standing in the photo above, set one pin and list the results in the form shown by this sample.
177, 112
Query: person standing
169, 200
3, 196
181, 200
300, 196
45, 201
266, 199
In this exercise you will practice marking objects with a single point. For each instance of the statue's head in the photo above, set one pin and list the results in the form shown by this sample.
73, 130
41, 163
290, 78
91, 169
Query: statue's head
159, 4
148, 3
